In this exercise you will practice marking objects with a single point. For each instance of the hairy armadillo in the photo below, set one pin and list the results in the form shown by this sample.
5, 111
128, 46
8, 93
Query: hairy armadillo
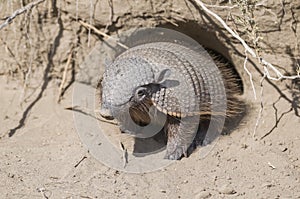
177, 82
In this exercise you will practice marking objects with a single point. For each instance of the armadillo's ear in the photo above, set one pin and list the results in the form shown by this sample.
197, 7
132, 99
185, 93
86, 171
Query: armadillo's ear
162, 80
163, 75
169, 83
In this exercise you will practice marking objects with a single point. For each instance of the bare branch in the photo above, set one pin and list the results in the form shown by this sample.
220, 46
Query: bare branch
170, 21
14, 57
250, 75
64, 77
20, 11
261, 105
86, 25
266, 64
221, 7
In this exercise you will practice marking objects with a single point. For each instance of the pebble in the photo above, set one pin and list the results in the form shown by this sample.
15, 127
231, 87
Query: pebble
282, 148
203, 195
251, 186
227, 189
267, 185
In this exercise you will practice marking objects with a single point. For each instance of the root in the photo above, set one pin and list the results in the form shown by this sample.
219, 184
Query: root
27, 8
267, 66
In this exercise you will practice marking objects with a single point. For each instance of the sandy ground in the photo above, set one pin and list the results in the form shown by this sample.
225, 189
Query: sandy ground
44, 157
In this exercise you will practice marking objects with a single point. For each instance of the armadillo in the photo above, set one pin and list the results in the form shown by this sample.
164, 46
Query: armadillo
175, 81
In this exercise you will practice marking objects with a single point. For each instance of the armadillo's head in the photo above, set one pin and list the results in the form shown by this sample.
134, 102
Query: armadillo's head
127, 87
125, 93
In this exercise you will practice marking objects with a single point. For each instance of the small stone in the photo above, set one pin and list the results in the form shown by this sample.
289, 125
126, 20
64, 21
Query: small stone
203, 195
267, 185
293, 159
10, 175
292, 166
280, 143
283, 149
227, 189
250, 186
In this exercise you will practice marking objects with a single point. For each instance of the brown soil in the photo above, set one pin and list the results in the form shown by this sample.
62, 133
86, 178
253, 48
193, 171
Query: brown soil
42, 155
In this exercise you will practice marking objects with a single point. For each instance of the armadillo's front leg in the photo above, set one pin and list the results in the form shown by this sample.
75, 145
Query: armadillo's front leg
181, 133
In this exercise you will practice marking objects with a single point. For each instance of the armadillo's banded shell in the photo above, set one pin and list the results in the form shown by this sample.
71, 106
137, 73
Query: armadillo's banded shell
199, 87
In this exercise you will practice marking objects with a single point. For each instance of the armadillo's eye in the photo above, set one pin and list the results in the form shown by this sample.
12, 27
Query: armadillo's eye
140, 93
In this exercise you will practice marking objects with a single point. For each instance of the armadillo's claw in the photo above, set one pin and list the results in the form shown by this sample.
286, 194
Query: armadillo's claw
176, 154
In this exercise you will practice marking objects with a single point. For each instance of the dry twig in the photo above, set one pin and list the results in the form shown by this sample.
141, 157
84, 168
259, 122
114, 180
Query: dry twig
250, 75
124, 155
43, 191
20, 11
170, 21
101, 33
267, 67
14, 57
60, 93
261, 105
80, 161
221, 7
265, 64
271, 165
87, 112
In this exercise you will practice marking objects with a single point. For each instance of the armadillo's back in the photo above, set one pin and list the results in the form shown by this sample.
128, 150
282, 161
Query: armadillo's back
192, 84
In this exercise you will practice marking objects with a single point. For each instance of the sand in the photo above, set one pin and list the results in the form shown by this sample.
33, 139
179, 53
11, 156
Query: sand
43, 156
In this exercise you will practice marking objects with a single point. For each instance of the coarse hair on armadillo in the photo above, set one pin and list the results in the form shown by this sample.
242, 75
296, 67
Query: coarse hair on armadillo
233, 87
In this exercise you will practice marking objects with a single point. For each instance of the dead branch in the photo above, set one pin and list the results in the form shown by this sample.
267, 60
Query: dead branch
267, 67
250, 75
248, 49
277, 119
86, 25
88, 113
170, 21
14, 57
26, 8
261, 105
80, 161
124, 155
60, 93
221, 7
